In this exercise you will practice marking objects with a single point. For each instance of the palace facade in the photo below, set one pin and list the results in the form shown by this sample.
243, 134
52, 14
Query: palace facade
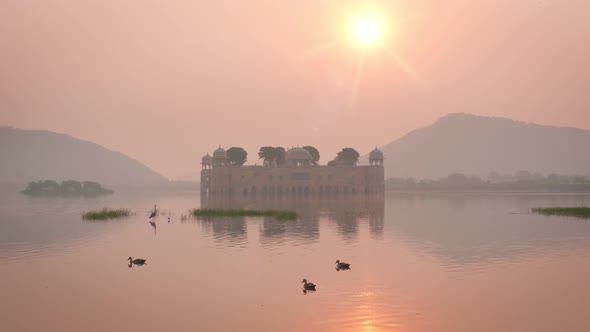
297, 177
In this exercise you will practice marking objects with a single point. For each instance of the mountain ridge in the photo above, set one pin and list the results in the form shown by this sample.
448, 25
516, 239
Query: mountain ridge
477, 145
30, 155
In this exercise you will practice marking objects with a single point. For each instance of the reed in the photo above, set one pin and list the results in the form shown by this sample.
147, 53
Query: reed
278, 214
580, 212
105, 214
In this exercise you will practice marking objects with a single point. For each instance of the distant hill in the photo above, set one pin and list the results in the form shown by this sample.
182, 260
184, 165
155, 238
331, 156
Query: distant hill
30, 155
477, 145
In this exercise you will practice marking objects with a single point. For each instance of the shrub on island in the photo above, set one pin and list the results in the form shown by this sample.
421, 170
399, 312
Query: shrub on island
66, 188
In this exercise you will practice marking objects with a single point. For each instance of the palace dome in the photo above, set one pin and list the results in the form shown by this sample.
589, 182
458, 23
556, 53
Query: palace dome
207, 159
376, 154
220, 153
298, 154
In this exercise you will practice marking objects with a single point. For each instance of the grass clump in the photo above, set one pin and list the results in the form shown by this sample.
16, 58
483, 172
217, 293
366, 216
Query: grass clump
278, 214
105, 214
580, 212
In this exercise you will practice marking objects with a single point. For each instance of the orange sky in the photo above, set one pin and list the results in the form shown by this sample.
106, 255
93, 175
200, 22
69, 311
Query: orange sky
167, 81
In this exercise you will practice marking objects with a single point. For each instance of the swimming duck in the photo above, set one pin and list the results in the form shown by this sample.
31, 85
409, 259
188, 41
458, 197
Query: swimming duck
308, 285
137, 261
342, 265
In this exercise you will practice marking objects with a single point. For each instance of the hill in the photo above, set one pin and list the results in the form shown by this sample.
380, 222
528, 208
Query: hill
30, 155
477, 145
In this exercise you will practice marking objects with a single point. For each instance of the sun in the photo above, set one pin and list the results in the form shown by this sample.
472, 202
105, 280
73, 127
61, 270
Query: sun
367, 31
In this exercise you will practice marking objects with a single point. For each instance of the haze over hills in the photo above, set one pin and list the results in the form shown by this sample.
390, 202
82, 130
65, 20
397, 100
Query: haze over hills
456, 143
477, 145
29, 155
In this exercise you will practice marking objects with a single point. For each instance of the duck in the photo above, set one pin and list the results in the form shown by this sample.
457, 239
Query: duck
308, 285
137, 261
342, 265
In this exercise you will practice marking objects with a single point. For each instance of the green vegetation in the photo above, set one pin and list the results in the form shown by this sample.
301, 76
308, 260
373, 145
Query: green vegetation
105, 214
279, 215
66, 188
519, 181
237, 156
315, 154
274, 156
581, 212
346, 157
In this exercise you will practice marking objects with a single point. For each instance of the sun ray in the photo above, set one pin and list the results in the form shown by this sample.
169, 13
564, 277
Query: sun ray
357, 79
403, 65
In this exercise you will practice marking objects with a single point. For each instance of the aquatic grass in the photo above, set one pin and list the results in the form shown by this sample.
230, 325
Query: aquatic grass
105, 214
580, 212
278, 214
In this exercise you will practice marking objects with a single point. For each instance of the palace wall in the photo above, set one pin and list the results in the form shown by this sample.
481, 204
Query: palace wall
265, 180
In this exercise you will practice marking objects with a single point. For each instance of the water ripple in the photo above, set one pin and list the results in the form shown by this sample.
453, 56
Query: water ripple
10, 252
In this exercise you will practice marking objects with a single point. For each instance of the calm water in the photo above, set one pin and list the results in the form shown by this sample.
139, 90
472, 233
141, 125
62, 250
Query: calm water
420, 262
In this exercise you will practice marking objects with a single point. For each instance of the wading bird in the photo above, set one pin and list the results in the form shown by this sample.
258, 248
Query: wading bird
153, 214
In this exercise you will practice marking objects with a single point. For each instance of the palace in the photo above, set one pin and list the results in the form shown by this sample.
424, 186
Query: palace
298, 176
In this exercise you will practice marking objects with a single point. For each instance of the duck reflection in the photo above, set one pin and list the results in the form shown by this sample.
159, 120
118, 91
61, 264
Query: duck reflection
346, 212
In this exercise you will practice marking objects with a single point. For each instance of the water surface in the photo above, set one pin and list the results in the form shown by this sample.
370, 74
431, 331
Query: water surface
420, 262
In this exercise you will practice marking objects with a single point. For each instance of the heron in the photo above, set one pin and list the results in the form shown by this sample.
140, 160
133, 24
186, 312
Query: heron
153, 214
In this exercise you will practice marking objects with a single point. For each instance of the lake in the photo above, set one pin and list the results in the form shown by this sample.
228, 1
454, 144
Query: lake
420, 262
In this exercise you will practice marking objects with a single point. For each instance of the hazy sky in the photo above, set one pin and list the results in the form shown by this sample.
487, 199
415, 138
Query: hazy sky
167, 81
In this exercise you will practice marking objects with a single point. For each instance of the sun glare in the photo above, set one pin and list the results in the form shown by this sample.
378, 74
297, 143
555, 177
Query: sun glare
367, 31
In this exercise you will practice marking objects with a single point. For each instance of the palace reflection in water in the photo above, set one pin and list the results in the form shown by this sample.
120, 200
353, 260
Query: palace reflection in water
346, 212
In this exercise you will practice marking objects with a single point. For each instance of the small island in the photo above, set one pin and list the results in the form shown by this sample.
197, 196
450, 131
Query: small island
580, 212
105, 214
279, 215
66, 188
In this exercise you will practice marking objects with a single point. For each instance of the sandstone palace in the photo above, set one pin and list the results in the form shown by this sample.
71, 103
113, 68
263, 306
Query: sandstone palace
296, 174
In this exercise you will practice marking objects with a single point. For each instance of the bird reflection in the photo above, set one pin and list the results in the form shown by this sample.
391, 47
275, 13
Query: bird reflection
153, 224
305, 291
